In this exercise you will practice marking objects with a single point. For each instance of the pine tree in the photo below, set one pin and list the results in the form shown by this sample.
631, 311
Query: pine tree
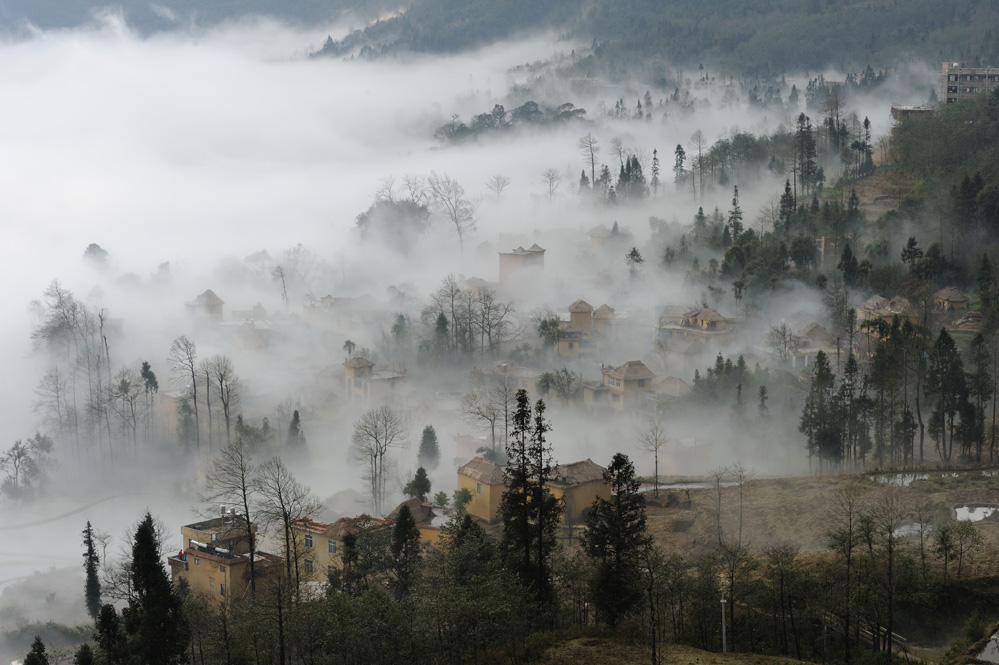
678, 170
296, 439
37, 655
84, 655
616, 538
786, 210
849, 266
92, 585
430, 453
405, 552
109, 636
529, 511
153, 620
419, 486
735, 216
654, 183
946, 381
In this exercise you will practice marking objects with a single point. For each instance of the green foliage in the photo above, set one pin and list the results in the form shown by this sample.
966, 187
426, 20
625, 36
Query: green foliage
37, 655
616, 538
461, 498
419, 486
405, 550
529, 511
153, 622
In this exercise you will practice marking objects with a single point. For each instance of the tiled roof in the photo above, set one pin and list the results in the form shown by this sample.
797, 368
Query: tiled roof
578, 473
633, 370
483, 471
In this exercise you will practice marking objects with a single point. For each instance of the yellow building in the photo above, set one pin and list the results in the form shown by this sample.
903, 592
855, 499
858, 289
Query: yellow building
213, 570
320, 544
486, 481
578, 485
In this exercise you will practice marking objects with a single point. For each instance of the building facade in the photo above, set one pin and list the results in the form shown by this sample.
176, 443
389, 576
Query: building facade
959, 80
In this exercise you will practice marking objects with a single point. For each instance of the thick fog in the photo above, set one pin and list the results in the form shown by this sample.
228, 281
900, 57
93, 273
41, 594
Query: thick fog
184, 155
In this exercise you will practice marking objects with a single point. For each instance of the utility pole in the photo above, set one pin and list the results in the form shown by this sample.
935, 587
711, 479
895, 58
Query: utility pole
724, 642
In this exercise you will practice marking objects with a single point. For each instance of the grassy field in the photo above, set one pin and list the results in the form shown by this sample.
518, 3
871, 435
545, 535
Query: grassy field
801, 511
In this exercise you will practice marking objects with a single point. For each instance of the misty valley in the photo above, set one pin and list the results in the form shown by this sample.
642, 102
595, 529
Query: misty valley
466, 333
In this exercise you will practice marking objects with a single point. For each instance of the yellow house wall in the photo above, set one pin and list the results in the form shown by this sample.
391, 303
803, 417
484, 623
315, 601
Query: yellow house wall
580, 497
485, 505
201, 571
318, 554
430, 534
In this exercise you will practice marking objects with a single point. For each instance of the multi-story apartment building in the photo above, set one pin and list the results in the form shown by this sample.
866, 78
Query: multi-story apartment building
958, 81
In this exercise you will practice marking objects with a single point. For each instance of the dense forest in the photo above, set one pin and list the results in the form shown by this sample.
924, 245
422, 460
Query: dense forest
752, 38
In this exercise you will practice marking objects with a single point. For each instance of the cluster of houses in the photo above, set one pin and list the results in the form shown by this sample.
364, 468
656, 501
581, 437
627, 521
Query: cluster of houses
214, 560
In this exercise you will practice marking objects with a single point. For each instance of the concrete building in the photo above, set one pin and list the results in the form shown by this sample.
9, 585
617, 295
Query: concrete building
958, 80
320, 545
215, 560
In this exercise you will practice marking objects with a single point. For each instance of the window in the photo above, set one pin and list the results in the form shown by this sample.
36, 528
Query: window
478, 488
330, 570
357, 383
221, 568
222, 590
211, 585
570, 346
308, 540
308, 566
641, 383
331, 546
196, 561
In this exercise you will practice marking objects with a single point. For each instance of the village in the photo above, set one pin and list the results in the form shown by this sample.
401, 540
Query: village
624, 366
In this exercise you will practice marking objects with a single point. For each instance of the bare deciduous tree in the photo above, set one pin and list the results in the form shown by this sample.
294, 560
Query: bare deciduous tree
280, 277
479, 411
551, 179
376, 433
741, 475
183, 358
497, 184
386, 189
450, 197
653, 439
780, 339
416, 188
282, 501
220, 374
232, 480
588, 146
698, 142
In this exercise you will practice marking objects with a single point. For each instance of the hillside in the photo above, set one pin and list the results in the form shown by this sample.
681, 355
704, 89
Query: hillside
799, 510
756, 38
603, 651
